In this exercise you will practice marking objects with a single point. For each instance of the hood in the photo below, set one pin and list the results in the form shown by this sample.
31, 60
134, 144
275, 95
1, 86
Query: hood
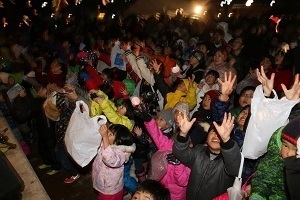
224, 25
127, 149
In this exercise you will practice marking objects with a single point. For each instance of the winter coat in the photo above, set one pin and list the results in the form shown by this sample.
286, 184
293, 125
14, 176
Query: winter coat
108, 168
209, 177
177, 176
139, 67
45, 79
268, 180
173, 98
109, 110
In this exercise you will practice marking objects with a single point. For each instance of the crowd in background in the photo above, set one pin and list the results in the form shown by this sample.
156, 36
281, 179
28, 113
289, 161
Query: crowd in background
174, 87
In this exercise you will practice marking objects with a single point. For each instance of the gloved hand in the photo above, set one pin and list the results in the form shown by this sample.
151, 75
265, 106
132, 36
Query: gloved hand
172, 159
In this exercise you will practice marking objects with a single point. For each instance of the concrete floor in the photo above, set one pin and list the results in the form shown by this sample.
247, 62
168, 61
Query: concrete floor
81, 189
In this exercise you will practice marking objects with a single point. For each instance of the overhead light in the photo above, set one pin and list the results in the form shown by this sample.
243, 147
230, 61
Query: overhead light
198, 9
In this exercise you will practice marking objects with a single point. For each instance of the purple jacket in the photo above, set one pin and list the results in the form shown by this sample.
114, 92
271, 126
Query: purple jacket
177, 176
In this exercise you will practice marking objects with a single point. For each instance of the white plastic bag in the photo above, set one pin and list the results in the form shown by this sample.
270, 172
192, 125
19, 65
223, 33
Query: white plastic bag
267, 115
82, 138
116, 57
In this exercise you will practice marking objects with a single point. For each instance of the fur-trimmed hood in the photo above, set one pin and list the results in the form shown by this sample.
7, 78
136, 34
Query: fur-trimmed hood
127, 149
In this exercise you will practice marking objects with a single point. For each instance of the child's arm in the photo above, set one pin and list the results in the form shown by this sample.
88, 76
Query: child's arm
229, 149
162, 142
181, 149
104, 133
112, 115
221, 103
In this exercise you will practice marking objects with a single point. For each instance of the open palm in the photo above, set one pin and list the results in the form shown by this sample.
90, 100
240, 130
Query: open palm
294, 92
226, 127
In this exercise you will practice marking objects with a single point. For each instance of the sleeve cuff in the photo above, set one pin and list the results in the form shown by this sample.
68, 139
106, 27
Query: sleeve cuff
182, 139
227, 145
127, 52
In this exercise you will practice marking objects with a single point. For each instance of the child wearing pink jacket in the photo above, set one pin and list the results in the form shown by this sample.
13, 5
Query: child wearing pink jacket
177, 175
108, 166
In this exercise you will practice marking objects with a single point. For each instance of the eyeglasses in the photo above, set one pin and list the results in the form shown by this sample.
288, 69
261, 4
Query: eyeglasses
248, 96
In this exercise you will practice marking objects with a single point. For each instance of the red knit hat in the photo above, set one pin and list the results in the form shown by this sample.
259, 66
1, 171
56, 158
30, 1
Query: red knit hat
291, 131
213, 94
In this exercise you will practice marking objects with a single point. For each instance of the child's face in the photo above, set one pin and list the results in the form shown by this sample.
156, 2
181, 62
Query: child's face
206, 102
245, 98
266, 63
181, 87
162, 124
138, 195
111, 137
56, 69
121, 110
203, 49
210, 79
213, 141
288, 149
242, 118
219, 58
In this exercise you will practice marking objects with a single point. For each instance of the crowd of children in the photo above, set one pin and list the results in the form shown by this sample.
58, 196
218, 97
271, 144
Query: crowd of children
182, 94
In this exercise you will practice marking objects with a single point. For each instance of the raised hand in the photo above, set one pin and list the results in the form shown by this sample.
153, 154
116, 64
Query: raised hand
138, 131
184, 124
103, 130
155, 66
124, 91
226, 127
267, 84
294, 92
226, 86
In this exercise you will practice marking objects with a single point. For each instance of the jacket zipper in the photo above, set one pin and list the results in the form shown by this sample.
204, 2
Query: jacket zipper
203, 176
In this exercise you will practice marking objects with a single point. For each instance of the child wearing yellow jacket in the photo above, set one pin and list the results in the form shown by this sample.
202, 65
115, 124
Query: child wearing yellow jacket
185, 92
116, 115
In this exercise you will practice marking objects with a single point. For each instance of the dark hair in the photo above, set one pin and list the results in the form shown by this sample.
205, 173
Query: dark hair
155, 189
246, 89
129, 108
248, 117
122, 134
63, 68
108, 90
213, 73
108, 72
288, 60
220, 32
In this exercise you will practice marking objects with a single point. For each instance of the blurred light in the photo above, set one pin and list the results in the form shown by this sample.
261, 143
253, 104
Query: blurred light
55, 26
219, 15
100, 16
44, 4
113, 16
249, 2
1, 4
198, 9
4, 22
52, 15
228, 2
77, 2
28, 4
230, 14
272, 2
222, 3
69, 16
204, 13
112, 1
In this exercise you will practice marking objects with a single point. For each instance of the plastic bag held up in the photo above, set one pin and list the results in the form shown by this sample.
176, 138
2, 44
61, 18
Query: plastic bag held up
82, 138
159, 165
235, 192
267, 115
